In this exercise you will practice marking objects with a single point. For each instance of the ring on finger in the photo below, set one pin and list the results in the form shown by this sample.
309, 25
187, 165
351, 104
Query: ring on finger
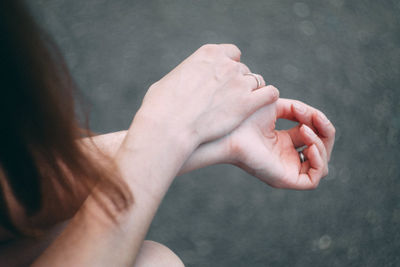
257, 77
302, 157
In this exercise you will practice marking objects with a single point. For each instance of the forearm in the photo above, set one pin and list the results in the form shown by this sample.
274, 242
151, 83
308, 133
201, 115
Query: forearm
211, 153
148, 162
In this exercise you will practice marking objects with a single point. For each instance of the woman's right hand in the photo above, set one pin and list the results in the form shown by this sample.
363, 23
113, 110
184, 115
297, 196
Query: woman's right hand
207, 95
271, 155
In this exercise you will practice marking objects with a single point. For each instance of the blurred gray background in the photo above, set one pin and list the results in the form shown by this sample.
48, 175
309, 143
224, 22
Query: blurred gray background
340, 56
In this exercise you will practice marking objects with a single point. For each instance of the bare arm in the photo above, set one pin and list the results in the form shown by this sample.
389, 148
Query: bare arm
211, 153
175, 117
91, 239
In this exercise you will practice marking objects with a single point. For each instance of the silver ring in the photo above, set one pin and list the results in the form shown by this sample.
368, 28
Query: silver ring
256, 76
302, 157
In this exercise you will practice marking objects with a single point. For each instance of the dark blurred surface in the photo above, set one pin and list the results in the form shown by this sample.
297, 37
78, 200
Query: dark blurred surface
340, 56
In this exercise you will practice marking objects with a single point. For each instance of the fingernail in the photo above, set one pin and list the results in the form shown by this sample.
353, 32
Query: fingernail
323, 118
275, 92
308, 130
299, 108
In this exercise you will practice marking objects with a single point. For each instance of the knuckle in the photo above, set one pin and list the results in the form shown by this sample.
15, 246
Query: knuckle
273, 92
232, 67
330, 128
299, 103
235, 67
236, 48
210, 49
243, 83
244, 67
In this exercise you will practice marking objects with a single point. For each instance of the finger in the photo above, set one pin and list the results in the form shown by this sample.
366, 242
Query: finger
232, 51
243, 68
326, 130
296, 136
253, 80
295, 110
303, 113
298, 111
284, 109
310, 138
262, 80
316, 120
305, 166
311, 179
264, 96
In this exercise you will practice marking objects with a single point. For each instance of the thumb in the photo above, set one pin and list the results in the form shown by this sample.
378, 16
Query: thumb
264, 96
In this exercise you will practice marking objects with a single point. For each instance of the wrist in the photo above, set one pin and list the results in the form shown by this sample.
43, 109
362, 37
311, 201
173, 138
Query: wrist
162, 129
233, 150
151, 155
210, 153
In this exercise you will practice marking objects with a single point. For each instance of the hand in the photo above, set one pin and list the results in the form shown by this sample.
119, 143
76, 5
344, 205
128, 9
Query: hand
271, 155
207, 95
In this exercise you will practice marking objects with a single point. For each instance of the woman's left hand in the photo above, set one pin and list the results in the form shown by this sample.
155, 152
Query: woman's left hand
271, 155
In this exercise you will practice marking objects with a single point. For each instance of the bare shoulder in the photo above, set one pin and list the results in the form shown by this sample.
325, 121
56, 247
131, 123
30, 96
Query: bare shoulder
155, 254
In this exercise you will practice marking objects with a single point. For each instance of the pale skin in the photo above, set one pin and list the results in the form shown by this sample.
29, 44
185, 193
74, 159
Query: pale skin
193, 123
257, 148
256, 143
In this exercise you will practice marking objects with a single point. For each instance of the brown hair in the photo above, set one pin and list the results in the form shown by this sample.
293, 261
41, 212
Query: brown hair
39, 132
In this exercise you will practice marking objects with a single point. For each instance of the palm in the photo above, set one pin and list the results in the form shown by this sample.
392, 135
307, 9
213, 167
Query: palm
265, 152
